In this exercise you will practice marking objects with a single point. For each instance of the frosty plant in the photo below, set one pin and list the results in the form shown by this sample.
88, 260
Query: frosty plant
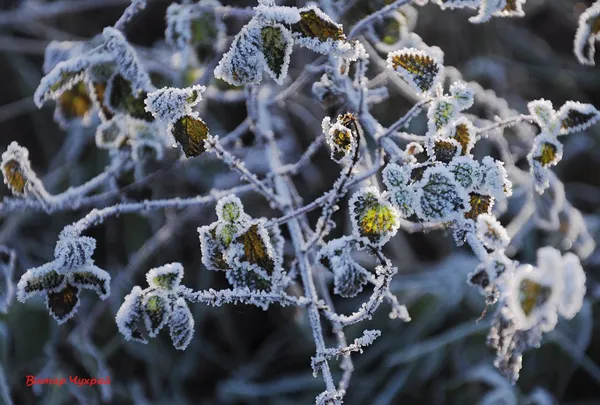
395, 181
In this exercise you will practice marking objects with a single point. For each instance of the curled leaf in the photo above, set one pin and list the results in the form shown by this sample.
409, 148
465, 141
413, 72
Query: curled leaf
588, 32
575, 117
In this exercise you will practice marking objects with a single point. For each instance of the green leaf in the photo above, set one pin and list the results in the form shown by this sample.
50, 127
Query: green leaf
44, 281
256, 249
155, 312
122, 100
190, 133
92, 279
277, 48
315, 25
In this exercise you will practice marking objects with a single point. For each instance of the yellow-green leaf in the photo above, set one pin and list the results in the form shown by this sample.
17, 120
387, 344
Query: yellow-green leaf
190, 133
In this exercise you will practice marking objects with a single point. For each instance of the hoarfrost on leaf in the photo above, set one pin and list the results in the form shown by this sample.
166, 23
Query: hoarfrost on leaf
491, 232
588, 32
423, 72
372, 216
127, 61
167, 277
181, 325
439, 197
129, 316
575, 117
170, 103
442, 111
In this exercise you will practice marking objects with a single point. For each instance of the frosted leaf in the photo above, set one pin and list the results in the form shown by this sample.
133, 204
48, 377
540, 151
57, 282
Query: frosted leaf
575, 117
573, 290
230, 209
72, 252
65, 75
73, 105
155, 307
463, 94
40, 280
489, 8
441, 113
16, 170
463, 131
491, 232
277, 44
97, 90
495, 180
181, 325
466, 172
244, 62
544, 114
349, 277
439, 197
456, 4
63, 304
129, 316
92, 278
372, 216
423, 72
513, 8
588, 32
111, 134
480, 204
193, 25
127, 61
167, 277
60, 51
396, 176
402, 195
546, 152
319, 33
341, 138
170, 103
119, 98
8, 260
190, 132
252, 257
532, 298
282, 14
442, 149
212, 248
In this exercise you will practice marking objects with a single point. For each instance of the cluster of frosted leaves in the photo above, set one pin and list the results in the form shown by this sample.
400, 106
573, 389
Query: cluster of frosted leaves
145, 312
144, 138
175, 108
61, 280
265, 43
547, 149
375, 220
194, 26
17, 172
349, 277
244, 248
532, 299
104, 74
588, 32
342, 137
8, 260
486, 8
